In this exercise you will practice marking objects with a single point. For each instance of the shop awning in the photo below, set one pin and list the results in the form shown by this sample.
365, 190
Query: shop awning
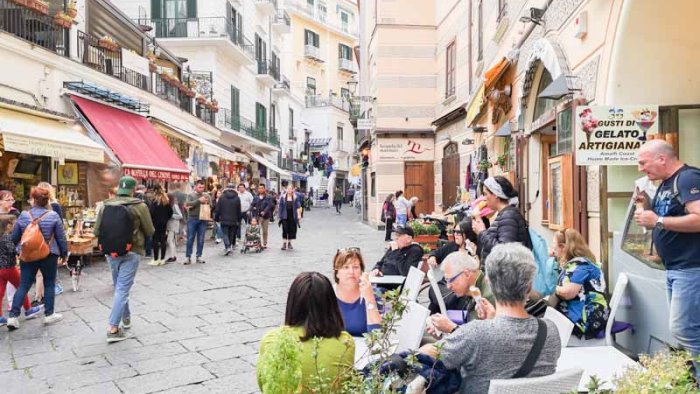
142, 151
475, 105
319, 142
222, 151
504, 130
298, 177
267, 163
34, 135
492, 75
556, 90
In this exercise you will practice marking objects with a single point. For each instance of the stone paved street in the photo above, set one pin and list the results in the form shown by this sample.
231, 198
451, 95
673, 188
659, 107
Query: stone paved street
195, 328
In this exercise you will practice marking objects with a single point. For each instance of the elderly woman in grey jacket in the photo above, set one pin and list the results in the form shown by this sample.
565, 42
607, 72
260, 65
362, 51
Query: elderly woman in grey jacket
173, 228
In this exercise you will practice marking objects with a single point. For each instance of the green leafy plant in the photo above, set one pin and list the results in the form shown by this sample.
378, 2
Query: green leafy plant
502, 160
665, 372
418, 228
431, 229
484, 165
426, 248
282, 374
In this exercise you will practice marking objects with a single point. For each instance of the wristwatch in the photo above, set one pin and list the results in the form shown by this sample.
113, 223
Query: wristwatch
659, 223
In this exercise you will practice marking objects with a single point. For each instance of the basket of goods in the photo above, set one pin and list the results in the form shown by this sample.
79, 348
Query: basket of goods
80, 245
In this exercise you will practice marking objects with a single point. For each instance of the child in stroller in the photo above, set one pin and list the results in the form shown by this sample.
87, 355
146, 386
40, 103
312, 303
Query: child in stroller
252, 237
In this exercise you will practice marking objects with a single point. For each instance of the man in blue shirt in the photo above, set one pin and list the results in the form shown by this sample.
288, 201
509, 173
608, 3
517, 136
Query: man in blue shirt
675, 220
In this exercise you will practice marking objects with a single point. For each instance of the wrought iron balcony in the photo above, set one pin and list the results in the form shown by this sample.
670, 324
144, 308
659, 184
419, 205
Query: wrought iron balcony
268, 72
33, 26
347, 65
316, 101
107, 59
312, 52
273, 137
282, 23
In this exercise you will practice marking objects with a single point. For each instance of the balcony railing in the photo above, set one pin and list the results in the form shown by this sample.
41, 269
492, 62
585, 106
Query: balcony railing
33, 26
321, 15
226, 119
346, 65
282, 18
283, 84
208, 27
340, 102
312, 52
273, 137
292, 165
108, 61
266, 67
205, 114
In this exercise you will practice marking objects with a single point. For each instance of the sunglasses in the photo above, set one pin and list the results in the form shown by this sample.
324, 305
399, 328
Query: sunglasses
454, 278
349, 249
458, 232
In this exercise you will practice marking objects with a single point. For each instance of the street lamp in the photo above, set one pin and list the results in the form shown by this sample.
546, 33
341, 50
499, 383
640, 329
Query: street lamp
352, 85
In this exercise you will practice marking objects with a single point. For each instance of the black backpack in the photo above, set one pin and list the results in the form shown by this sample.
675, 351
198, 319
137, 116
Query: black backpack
116, 230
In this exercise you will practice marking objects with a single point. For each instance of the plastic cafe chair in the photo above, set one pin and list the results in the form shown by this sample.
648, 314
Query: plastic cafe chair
565, 381
613, 327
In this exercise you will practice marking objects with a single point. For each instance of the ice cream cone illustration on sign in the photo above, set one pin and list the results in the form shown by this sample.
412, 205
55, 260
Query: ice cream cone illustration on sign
588, 123
645, 118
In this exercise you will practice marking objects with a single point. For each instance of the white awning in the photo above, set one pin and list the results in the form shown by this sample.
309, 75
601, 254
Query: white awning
220, 151
270, 165
34, 135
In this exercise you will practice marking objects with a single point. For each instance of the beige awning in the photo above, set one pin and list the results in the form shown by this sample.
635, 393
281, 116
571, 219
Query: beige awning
475, 105
267, 163
34, 135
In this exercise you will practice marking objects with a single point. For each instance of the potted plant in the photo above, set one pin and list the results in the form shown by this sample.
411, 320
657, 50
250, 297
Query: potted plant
63, 20
108, 43
23, 3
214, 106
665, 372
39, 6
201, 100
152, 67
72, 8
189, 92
484, 165
174, 81
502, 160
427, 234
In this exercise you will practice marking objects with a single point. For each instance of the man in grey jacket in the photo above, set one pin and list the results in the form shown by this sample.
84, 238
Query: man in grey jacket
246, 201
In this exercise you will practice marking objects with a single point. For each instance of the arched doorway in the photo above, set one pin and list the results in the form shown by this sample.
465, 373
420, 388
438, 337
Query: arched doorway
450, 174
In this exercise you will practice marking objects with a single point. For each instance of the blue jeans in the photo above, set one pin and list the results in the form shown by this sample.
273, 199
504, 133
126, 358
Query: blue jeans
219, 231
123, 273
401, 219
148, 245
48, 267
683, 292
195, 227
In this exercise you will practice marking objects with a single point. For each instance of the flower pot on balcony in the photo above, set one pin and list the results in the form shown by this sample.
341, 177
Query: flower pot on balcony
430, 240
190, 93
40, 6
72, 12
23, 3
174, 82
63, 20
201, 100
152, 67
108, 44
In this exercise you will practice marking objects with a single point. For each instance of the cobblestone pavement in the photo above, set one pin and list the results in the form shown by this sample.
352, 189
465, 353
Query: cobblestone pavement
195, 328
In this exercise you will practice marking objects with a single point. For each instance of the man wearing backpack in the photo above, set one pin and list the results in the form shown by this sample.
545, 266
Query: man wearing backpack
675, 219
121, 228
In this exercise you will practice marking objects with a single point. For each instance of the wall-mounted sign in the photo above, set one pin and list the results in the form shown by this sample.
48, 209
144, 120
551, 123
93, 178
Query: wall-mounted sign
365, 124
408, 149
134, 62
608, 135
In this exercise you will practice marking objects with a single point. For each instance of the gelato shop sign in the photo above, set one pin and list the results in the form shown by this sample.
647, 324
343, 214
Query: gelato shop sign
608, 135
406, 149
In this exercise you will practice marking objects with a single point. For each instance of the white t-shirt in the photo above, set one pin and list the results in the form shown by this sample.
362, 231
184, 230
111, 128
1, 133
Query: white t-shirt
246, 200
402, 206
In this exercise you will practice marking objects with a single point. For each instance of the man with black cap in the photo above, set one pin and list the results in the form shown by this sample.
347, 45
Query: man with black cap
402, 254
121, 228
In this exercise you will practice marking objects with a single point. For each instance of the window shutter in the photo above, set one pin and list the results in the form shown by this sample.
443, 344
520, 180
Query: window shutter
191, 8
156, 8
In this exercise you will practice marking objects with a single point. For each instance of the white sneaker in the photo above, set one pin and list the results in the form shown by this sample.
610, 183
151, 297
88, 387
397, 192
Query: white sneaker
12, 323
218, 241
54, 318
154, 263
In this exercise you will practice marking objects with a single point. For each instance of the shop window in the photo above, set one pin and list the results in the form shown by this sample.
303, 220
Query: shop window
560, 192
543, 105
565, 135
373, 184
450, 68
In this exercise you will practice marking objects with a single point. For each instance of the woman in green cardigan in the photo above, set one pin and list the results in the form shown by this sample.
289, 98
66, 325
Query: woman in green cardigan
319, 349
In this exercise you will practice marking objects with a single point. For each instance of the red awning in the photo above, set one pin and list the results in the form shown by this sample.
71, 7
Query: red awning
143, 152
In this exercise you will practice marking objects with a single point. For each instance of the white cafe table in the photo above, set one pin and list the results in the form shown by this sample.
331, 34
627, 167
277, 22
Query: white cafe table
605, 362
387, 279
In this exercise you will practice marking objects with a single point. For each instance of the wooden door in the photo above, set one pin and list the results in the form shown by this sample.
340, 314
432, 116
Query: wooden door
419, 181
450, 175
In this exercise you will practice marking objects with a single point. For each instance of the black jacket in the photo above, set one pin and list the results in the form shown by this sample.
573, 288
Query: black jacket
399, 261
444, 251
263, 207
228, 208
509, 226
160, 214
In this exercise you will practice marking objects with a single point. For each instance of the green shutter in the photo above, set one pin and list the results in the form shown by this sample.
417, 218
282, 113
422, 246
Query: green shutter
156, 8
191, 8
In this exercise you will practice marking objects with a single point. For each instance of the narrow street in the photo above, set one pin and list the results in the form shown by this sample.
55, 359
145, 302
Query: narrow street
195, 328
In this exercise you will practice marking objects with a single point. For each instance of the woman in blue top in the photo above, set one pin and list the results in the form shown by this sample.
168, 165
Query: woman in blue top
52, 229
581, 286
354, 292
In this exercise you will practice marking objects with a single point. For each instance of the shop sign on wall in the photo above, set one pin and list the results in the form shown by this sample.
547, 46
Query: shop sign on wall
408, 149
609, 135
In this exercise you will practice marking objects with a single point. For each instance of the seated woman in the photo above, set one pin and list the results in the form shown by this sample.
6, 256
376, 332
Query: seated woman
355, 294
496, 348
580, 292
465, 240
327, 352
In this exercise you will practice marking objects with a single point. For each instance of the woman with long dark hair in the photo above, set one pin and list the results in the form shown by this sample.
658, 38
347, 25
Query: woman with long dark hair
173, 228
161, 213
313, 315
389, 214
289, 206
509, 225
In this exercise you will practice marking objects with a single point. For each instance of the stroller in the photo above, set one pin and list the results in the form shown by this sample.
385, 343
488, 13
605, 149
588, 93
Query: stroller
252, 241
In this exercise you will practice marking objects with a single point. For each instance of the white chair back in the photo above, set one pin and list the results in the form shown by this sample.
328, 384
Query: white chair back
565, 381
411, 327
434, 275
564, 325
413, 283
615, 300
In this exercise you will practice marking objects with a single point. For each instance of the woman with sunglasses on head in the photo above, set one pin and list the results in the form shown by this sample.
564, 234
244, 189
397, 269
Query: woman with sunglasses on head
355, 294
580, 292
